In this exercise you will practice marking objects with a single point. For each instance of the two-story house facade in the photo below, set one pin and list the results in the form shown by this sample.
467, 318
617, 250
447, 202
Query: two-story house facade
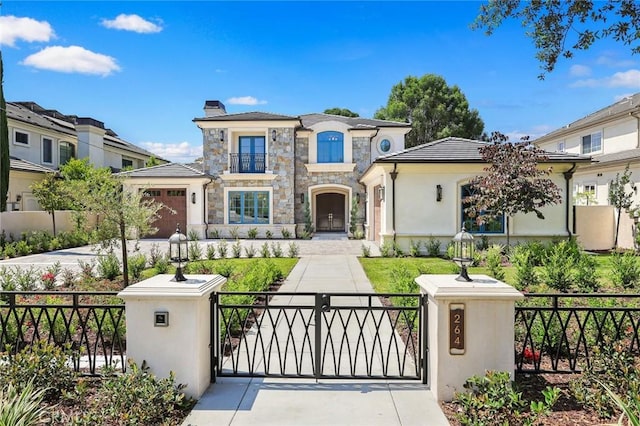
42, 140
268, 167
611, 136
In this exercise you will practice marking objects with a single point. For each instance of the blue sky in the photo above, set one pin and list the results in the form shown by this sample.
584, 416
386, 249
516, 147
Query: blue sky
146, 68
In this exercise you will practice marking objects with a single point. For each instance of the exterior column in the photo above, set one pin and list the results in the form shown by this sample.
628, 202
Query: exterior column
471, 329
169, 327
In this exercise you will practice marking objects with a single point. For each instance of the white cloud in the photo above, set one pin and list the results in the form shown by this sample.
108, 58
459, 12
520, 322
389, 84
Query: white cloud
609, 59
534, 133
628, 79
579, 71
133, 23
245, 100
177, 152
72, 59
27, 29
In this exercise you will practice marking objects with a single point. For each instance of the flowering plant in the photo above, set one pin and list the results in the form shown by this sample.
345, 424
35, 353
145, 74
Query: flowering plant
530, 355
48, 280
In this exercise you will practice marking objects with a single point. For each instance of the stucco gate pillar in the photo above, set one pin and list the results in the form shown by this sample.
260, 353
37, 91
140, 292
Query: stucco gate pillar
471, 329
169, 327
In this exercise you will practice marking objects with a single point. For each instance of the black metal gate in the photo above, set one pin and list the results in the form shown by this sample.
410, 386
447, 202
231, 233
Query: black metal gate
319, 335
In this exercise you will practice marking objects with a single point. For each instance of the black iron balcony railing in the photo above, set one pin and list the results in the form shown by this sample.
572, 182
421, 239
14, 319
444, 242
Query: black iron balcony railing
247, 163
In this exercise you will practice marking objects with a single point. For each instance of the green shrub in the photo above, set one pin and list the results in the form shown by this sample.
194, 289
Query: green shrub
558, 266
222, 249
276, 249
234, 233
192, 235
268, 234
286, 234
162, 265
494, 262
7, 282
252, 233
493, 400
210, 252
617, 368
137, 398
386, 249
482, 243
26, 279
250, 251
433, 247
523, 261
293, 250
538, 251
414, 248
264, 250
23, 248
586, 273
137, 265
625, 270
451, 250
194, 251
59, 322
236, 249
108, 266
111, 323
366, 250
22, 407
224, 268
154, 254
44, 365
10, 250
214, 233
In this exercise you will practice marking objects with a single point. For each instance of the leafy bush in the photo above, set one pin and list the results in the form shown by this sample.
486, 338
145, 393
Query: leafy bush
211, 252
433, 247
23, 248
192, 235
194, 251
162, 265
137, 265
386, 249
558, 265
21, 407
236, 249
60, 323
234, 233
625, 270
86, 269
494, 262
43, 365
366, 250
224, 268
493, 400
222, 249
414, 248
111, 323
214, 233
286, 234
25, 279
10, 250
250, 251
68, 277
451, 250
276, 249
614, 366
108, 266
268, 234
252, 233
7, 283
154, 254
523, 260
293, 250
137, 398
264, 250
538, 251
586, 273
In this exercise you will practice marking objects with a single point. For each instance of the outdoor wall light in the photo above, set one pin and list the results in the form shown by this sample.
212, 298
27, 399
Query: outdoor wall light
463, 253
358, 198
302, 198
18, 198
193, 198
178, 252
438, 193
381, 193
221, 135
273, 135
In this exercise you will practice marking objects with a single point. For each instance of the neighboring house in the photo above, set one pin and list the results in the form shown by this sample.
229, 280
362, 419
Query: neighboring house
182, 189
417, 194
268, 166
611, 136
41, 140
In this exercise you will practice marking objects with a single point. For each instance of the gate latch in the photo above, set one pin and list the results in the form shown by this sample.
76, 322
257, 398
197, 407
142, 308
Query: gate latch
325, 305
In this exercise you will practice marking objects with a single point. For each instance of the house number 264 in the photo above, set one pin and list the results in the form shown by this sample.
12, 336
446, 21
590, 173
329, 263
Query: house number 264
456, 329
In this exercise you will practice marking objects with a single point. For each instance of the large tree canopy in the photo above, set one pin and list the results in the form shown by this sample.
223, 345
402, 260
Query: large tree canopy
341, 111
434, 109
561, 27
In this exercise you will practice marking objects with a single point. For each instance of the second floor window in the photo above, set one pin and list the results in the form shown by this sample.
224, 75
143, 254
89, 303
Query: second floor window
47, 150
330, 147
560, 147
67, 152
21, 138
592, 143
127, 163
251, 155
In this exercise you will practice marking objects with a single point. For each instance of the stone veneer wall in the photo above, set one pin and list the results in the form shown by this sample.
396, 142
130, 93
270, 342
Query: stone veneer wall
280, 162
304, 179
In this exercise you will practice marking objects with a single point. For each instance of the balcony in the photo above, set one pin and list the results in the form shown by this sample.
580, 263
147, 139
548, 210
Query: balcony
247, 163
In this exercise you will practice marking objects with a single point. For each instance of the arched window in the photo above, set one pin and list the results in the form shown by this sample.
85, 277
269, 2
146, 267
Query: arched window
330, 147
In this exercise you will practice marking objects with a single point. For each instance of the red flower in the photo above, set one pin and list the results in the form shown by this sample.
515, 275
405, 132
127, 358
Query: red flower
530, 355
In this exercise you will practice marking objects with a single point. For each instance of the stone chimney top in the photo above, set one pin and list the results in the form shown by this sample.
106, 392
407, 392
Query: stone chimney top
214, 108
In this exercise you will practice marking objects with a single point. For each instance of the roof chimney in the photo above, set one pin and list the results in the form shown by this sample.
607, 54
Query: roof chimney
214, 108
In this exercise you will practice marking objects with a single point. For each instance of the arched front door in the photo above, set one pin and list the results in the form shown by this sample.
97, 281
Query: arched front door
330, 212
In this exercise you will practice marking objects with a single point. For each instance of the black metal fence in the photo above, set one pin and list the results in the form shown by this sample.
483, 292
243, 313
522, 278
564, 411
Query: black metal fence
92, 324
557, 332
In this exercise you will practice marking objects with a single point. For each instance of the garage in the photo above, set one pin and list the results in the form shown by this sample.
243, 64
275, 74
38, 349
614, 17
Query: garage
174, 199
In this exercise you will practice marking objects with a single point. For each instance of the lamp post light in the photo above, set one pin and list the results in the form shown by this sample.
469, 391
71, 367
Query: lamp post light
178, 252
463, 253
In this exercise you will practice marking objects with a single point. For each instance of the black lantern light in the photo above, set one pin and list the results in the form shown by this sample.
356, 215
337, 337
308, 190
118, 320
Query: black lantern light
273, 135
178, 252
463, 253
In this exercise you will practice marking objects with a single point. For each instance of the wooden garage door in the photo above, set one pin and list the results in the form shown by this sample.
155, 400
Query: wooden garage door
175, 199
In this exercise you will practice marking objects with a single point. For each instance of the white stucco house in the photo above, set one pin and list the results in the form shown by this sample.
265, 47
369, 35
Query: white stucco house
611, 136
416, 194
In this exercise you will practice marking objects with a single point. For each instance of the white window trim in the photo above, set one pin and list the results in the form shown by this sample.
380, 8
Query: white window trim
597, 151
15, 138
336, 126
247, 188
562, 147
53, 150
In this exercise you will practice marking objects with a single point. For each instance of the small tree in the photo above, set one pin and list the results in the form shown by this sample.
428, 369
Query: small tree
353, 220
619, 198
52, 195
308, 222
513, 183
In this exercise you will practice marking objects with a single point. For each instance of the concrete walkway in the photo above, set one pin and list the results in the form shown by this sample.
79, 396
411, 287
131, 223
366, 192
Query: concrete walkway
271, 401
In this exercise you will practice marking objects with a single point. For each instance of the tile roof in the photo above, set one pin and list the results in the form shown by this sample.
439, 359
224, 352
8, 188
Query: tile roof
616, 157
459, 150
27, 166
356, 122
18, 111
247, 116
621, 108
173, 170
